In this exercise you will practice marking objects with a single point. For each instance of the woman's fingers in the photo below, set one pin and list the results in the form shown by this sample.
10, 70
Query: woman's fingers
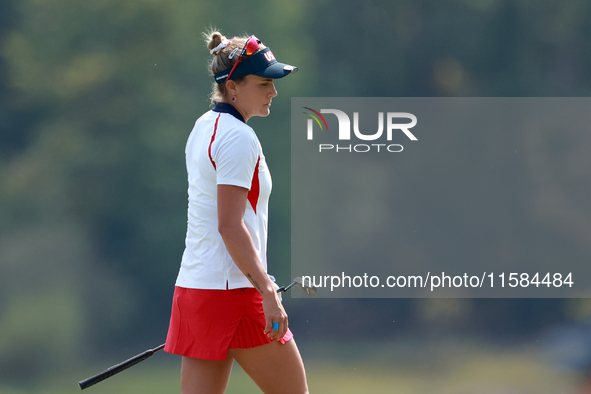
278, 328
276, 322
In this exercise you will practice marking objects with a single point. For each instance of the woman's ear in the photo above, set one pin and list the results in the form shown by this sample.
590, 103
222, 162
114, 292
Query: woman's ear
231, 87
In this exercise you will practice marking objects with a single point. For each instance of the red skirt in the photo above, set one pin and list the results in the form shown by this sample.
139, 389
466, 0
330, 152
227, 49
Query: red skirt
204, 323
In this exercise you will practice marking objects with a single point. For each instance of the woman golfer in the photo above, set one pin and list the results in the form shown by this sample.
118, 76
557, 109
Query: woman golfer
225, 307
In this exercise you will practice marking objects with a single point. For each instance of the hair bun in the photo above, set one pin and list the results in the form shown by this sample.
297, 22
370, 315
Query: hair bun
216, 38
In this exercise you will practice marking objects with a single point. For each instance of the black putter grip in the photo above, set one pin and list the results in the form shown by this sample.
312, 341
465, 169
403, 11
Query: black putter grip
115, 369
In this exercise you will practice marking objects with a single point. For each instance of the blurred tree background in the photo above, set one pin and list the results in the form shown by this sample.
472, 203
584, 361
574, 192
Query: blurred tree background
97, 100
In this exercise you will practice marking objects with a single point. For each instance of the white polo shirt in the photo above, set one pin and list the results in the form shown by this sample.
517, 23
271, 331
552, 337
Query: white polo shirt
222, 150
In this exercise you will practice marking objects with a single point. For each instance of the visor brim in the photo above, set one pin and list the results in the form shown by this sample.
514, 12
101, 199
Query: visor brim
276, 71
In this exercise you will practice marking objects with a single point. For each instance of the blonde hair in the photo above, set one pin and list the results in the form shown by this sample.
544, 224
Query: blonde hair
221, 59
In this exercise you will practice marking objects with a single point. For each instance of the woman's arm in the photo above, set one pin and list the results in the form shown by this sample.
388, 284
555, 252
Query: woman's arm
231, 207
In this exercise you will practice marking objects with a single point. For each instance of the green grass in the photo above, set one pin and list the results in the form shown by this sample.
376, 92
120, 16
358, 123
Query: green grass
403, 368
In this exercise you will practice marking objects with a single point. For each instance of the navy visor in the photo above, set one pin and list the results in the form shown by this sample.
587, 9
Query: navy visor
262, 63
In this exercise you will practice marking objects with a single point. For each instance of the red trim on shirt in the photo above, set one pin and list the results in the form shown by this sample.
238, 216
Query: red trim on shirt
253, 193
212, 139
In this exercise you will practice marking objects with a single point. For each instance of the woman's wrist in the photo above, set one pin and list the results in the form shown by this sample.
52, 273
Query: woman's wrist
268, 291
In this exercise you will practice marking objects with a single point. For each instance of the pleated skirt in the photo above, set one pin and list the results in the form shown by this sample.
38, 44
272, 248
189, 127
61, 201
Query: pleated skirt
205, 324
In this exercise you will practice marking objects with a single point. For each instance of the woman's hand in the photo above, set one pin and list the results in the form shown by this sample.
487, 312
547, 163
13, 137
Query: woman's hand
274, 313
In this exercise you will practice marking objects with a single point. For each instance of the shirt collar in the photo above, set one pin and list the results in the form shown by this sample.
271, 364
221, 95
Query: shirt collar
228, 109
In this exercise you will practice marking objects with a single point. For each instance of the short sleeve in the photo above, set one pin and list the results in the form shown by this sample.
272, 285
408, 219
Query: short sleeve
235, 156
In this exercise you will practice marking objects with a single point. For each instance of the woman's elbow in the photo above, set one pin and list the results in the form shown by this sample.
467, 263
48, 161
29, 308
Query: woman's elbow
227, 228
